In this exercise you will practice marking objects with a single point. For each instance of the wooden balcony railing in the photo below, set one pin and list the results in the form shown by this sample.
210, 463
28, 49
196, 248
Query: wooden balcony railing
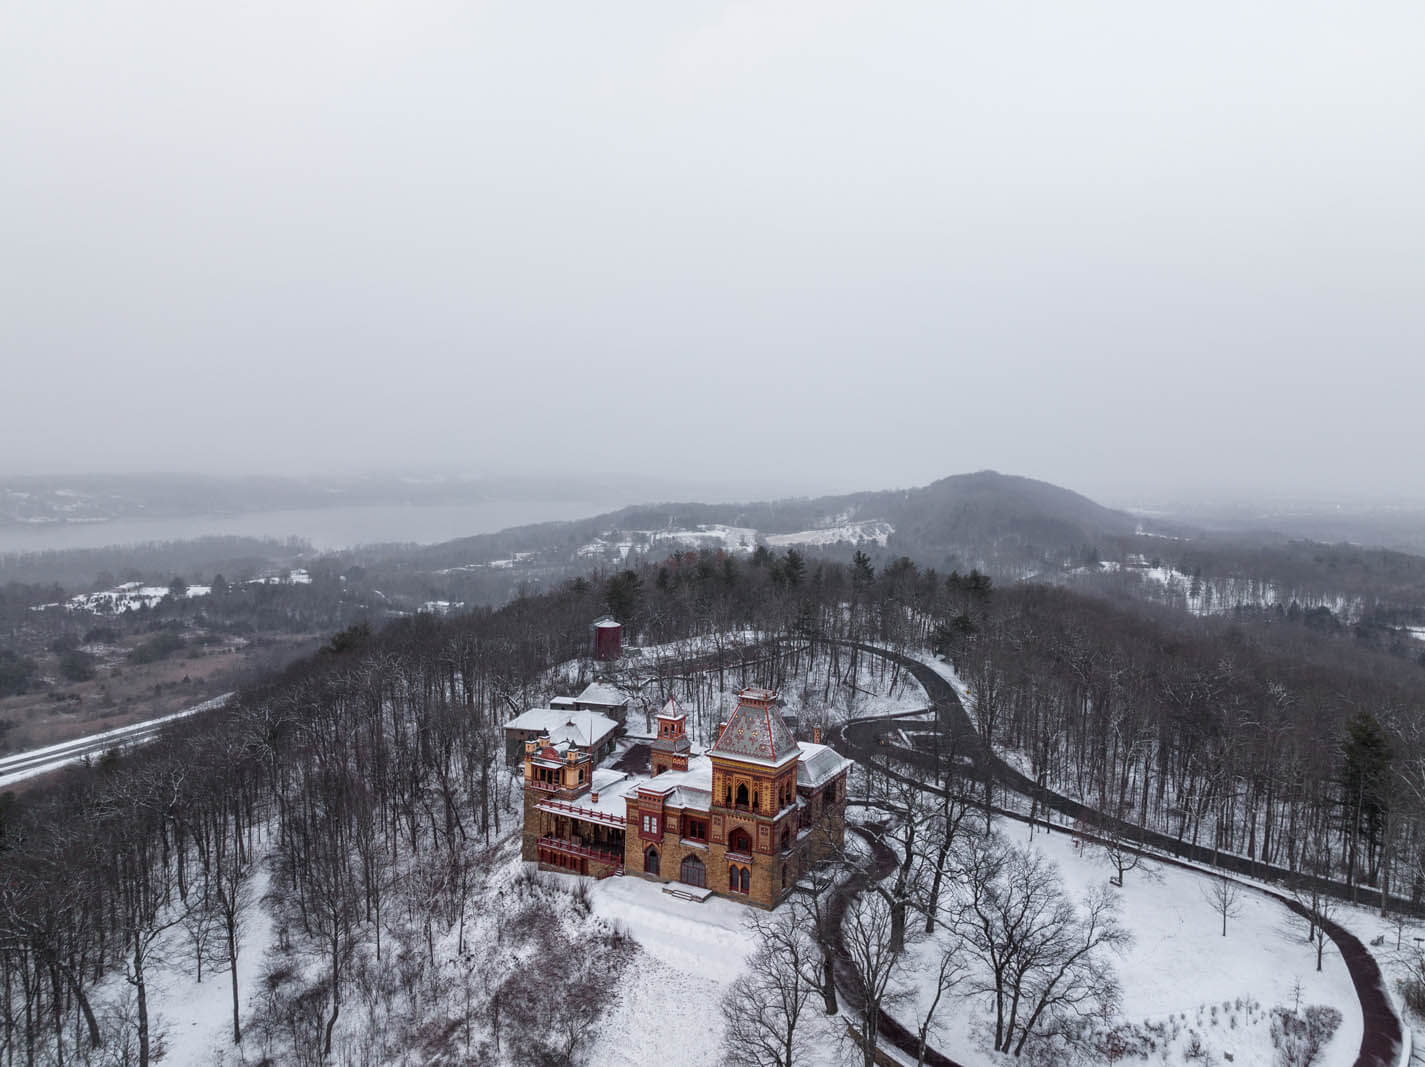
573, 848
559, 807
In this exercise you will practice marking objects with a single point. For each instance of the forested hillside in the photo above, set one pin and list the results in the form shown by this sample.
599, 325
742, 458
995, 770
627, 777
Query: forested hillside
363, 789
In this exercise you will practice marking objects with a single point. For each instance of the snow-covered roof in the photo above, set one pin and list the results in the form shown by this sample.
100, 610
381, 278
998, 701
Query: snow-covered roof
608, 624
683, 789
670, 711
819, 764
563, 724
610, 787
602, 693
756, 732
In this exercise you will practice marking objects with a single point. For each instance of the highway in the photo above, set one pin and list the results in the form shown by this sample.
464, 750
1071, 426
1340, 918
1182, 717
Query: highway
38, 761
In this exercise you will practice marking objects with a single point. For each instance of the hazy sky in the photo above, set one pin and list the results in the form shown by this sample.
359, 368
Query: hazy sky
1115, 245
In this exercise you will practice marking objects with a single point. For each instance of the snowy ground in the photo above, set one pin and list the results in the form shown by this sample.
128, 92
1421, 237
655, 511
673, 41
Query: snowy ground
670, 1009
869, 531
738, 539
1182, 973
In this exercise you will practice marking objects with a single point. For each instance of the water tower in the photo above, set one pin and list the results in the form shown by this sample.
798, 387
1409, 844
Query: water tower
607, 638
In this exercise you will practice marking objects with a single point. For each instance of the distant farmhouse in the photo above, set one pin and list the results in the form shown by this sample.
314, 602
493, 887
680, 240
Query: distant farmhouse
743, 819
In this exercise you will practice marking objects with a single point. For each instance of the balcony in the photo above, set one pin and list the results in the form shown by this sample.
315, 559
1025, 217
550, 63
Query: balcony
544, 787
738, 857
574, 811
573, 848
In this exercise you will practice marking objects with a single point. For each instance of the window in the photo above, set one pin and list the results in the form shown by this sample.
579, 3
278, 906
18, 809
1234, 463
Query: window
742, 795
739, 840
739, 879
650, 861
746, 879
786, 840
697, 829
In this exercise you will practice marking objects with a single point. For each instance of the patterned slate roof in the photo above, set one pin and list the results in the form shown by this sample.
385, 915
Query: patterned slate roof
756, 731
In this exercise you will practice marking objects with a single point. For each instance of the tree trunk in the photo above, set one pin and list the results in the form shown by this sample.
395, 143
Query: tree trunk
828, 983
232, 971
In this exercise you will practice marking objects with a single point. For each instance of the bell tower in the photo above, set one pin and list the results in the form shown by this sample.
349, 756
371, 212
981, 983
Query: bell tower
754, 798
670, 749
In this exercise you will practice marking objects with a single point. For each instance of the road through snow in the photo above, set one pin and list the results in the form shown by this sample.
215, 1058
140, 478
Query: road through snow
37, 761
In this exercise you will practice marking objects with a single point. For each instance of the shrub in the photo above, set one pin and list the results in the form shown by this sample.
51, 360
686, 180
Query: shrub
162, 644
16, 673
76, 666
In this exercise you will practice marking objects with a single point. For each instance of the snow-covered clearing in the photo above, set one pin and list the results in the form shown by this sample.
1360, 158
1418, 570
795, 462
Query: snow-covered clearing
1181, 979
130, 596
743, 539
868, 531
670, 1005
1222, 595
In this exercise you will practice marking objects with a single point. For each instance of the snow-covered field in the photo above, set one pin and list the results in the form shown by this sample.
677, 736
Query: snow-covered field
1181, 979
133, 596
741, 539
869, 531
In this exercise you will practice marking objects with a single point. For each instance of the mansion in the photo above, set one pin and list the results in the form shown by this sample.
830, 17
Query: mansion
742, 819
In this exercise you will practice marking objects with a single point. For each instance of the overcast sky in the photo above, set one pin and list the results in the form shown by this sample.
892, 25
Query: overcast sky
814, 246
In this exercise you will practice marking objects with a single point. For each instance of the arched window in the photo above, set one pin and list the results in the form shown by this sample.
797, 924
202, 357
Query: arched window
746, 879
742, 795
786, 839
650, 861
729, 796
739, 840
693, 872
755, 802
732, 879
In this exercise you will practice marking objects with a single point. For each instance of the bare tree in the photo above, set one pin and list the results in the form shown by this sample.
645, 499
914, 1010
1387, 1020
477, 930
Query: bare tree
1043, 958
949, 971
810, 904
1120, 852
1225, 896
764, 1007
899, 797
867, 934
231, 896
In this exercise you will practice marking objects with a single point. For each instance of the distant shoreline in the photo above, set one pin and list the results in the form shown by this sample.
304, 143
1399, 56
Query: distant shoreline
326, 528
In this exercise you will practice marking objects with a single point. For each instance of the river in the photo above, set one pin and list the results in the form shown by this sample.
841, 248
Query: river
326, 528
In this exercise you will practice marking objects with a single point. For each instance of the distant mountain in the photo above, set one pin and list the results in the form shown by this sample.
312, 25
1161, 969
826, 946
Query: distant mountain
998, 522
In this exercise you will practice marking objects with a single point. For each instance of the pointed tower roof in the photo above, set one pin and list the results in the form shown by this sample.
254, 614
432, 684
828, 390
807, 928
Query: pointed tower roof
755, 733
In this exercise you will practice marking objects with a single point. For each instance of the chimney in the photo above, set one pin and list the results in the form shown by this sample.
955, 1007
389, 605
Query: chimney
720, 728
594, 797
816, 735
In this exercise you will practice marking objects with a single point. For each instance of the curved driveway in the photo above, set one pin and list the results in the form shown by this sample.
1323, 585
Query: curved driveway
864, 739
